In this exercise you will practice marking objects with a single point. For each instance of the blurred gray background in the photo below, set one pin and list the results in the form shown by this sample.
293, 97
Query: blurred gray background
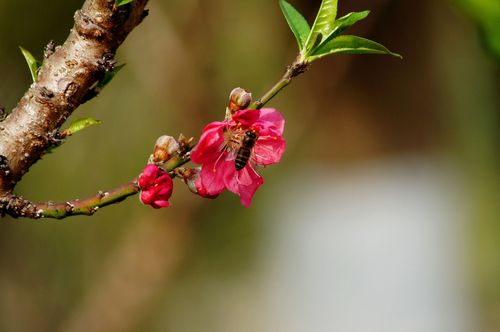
383, 215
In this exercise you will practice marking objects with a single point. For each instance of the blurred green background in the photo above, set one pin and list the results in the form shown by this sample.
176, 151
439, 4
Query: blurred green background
384, 214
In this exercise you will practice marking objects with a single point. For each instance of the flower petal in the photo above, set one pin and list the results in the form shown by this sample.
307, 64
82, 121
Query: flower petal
212, 177
161, 203
269, 117
147, 196
249, 182
148, 176
202, 191
231, 177
210, 144
268, 150
246, 117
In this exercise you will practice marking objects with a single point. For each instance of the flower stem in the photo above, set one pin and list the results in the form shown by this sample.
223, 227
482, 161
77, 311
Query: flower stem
298, 67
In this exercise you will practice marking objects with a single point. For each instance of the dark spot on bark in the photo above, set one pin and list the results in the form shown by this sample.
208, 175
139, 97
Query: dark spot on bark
46, 93
3, 114
70, 90
69, 207
4, 165
107, 62
87, 28
70, 63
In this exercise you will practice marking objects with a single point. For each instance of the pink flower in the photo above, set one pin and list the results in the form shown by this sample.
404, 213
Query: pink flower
229, 152
156, 186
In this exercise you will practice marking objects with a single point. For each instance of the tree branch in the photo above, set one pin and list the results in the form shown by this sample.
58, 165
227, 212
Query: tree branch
298, 67
63, 83
19, 207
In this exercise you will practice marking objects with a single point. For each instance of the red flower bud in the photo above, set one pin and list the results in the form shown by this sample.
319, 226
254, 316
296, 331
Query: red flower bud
156, 187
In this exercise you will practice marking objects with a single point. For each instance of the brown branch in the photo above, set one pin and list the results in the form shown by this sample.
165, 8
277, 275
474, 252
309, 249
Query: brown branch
19, 207
63, 83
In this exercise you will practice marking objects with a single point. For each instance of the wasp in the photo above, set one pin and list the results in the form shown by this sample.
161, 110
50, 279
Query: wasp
245, 149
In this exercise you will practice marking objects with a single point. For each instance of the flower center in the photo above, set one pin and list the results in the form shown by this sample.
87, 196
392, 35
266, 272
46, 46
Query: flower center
233, 137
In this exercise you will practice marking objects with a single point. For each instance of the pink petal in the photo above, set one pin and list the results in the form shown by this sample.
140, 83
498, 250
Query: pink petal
165, 182
249, 182
202, 191
210, 144
160, 204
246, 117
231, 176
268, 150
147, 196
148, 176
165, 190
269, 117
212, 177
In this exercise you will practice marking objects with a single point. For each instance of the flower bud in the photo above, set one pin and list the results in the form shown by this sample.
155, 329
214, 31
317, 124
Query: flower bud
165, 147
239, 99
156, 187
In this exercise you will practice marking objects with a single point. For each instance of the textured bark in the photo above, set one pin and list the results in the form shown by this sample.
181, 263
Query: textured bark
64, 81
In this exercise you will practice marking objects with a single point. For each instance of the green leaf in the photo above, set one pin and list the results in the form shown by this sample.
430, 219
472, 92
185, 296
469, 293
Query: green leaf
345, 22
350, 45
324, 22
296, 22
108, 77
122, 2
33, 63
80, 124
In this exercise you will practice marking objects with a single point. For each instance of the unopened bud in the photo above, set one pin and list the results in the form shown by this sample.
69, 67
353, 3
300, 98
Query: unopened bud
165, 147
239, 99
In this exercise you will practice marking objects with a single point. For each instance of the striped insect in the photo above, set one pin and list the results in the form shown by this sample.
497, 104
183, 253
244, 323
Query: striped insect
245, 150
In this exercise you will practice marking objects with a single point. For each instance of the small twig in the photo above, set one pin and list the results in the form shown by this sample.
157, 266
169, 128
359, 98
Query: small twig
17, 206
295, 69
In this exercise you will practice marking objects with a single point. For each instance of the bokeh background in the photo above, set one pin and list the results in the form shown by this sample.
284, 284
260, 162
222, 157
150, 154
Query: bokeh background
384, 214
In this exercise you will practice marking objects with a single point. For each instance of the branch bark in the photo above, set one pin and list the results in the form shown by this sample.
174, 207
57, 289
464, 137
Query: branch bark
19, 207
63, 83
